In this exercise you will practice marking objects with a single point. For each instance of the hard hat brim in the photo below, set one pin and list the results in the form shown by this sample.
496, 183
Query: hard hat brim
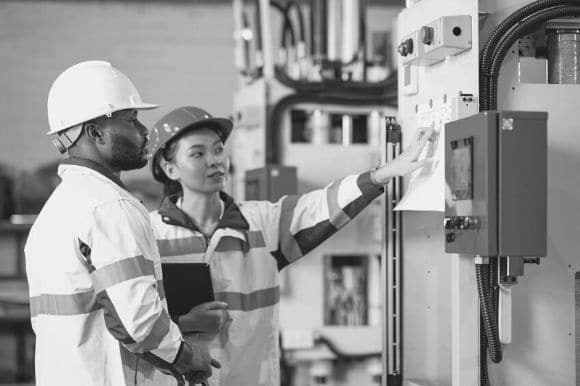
222, 126
139, 106
145, 106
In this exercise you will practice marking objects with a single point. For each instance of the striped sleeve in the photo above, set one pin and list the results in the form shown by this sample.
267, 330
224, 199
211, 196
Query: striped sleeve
120, 256
305, 221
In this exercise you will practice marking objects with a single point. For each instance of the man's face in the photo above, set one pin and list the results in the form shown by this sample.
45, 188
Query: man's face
126, 139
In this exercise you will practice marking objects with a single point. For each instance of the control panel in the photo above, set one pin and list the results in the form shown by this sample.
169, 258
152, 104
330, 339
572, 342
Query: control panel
496, 184
446, 36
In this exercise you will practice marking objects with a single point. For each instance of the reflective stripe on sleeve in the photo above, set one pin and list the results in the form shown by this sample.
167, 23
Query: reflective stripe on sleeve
288, 246
73, 304
238, 301
161, 289
181, 246
369, 191
337, 216
155, 336
120, 271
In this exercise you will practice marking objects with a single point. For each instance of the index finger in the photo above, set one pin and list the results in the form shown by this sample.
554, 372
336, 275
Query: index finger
428, 132
424, 139
422, 130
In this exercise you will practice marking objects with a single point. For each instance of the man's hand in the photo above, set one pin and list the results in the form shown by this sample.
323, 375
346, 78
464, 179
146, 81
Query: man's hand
193, 364
205, 317
200, 377
407, 161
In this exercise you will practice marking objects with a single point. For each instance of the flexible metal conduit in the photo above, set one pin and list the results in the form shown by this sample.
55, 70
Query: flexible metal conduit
513, 25
500, 31
487, 312
525, 27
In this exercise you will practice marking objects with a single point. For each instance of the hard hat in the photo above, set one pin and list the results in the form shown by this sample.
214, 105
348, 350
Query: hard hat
183, 119
89, 90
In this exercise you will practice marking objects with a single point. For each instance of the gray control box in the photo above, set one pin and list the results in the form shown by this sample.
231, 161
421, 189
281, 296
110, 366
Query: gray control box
270, 182
496, 184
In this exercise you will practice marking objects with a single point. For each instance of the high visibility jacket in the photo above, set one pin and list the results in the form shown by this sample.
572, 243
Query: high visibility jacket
253, 241
93, 269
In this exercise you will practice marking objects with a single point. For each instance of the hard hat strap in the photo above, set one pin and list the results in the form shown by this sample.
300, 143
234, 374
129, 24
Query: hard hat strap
67, 138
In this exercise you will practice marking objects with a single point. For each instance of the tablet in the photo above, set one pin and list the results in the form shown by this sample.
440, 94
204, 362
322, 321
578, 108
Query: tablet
186, 285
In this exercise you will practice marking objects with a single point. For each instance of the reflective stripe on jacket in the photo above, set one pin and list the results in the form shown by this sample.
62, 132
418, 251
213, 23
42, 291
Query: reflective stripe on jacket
93, 269
252, 242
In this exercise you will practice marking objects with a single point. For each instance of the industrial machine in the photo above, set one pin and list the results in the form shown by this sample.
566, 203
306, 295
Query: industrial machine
500, 193
448, 300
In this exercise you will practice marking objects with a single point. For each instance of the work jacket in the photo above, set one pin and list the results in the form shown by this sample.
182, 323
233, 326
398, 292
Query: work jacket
96, 303
253, 241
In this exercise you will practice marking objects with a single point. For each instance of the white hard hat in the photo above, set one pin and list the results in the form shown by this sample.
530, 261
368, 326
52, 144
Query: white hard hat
89, 90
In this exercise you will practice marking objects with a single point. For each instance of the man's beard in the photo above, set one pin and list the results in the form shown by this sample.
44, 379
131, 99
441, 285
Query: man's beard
126, 155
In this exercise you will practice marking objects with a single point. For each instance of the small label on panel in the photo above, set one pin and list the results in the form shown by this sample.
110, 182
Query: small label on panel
507, 124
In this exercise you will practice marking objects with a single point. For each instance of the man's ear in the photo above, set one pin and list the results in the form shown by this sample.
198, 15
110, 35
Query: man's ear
94, 132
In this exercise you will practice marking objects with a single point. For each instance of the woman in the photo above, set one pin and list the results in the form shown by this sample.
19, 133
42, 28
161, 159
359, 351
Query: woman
247, 243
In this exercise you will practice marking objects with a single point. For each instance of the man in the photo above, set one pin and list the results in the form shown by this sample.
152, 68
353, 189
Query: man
93, 267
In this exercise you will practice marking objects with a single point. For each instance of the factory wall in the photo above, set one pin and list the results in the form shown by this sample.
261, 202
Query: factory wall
176, 53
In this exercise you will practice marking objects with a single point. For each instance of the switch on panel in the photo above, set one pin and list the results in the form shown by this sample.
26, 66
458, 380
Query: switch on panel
446, 36
412, 50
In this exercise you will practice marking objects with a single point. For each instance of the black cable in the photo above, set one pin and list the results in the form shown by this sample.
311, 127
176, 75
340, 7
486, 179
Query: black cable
367, 88
341, 355
483, 371
363, 36
524, 27
287, 27
492, 292
487, 313
258, 21
293, 4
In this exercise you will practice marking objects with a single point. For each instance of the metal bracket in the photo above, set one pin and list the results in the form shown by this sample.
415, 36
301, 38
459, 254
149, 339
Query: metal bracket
509, 269
393, 130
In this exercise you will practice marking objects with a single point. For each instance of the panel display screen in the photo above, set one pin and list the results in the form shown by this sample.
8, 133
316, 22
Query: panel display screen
462, 169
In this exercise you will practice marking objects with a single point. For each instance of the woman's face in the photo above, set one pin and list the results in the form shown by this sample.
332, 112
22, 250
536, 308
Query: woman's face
200, 163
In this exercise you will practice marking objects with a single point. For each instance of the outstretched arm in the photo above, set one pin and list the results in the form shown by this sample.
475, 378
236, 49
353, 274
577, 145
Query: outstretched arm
306, 221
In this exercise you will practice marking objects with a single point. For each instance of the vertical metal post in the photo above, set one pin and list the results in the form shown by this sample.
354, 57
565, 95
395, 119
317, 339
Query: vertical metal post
464, 322
334, 25
392, 263
238, 11
266, 35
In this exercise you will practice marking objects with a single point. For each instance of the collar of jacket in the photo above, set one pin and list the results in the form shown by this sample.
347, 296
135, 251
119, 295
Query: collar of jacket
90, 164
232, 217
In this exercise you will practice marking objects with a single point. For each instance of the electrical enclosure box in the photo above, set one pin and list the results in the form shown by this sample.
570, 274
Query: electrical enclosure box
446, 36
496, 184
270, 182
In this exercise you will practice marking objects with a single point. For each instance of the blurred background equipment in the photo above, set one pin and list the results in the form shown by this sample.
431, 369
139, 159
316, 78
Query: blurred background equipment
317, 86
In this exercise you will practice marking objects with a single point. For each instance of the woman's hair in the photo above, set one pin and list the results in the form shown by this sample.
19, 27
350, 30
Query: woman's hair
170, 187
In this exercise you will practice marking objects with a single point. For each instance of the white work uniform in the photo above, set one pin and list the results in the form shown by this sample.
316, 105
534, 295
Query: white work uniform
253, 241
93, 269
